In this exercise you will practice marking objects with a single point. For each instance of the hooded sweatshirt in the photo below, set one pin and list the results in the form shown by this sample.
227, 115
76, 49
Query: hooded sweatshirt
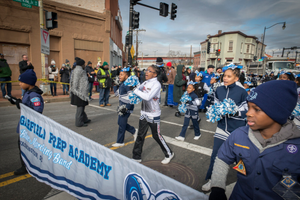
265, 161
178, 83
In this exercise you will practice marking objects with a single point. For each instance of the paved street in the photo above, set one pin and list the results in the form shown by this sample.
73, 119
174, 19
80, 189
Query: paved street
193, 155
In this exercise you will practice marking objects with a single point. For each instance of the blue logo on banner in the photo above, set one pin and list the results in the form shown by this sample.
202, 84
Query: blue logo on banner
136, 188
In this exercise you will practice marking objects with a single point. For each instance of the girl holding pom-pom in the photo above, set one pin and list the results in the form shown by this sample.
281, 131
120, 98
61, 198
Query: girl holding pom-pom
228, 123
125, 109
191, 113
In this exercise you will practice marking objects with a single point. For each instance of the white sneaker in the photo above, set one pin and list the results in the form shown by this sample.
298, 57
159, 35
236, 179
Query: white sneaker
135, 134
167, 160
207, 186
137, 160
197, 137
118, 144
180, 138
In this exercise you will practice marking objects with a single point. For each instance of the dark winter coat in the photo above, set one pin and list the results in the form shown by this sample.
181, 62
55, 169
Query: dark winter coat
65, 75
89, 70
4, 69
23, 66
162, 76
178, 83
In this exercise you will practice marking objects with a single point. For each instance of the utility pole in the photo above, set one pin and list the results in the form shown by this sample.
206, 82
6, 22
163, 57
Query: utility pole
41, 12
137, 43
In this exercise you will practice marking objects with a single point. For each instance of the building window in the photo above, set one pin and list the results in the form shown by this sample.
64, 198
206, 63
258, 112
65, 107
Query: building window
248, 48
241, 47
230, 45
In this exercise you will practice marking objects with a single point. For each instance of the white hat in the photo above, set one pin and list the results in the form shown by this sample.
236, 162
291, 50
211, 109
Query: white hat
53, 62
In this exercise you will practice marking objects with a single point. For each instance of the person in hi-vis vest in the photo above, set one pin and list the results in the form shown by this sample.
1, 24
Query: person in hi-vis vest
105, 81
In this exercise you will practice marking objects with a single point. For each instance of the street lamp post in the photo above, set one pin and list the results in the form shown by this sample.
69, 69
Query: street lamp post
283, 27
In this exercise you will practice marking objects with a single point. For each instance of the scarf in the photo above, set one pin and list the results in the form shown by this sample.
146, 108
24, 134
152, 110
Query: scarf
79, 83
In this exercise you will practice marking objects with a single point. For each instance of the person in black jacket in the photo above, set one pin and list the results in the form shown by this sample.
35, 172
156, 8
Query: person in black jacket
162, 76
91, 77
65, 78
23, 66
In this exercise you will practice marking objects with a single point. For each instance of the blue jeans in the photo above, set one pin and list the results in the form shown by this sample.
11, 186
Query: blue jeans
104, 96
186, 124
52, 86
90, 89
115, 87
123, 127
65, 88
8, 86
217, 144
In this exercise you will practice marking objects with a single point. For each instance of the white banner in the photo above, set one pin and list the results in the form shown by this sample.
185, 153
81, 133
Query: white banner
67, 161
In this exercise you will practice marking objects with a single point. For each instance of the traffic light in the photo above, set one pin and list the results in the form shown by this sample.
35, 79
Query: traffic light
50, 20
133, 2
173, 11
163, 9
135, 19
254, 58
218, 51
208, 47
127, 40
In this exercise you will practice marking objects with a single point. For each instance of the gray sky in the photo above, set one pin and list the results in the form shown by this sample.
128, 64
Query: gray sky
198, 18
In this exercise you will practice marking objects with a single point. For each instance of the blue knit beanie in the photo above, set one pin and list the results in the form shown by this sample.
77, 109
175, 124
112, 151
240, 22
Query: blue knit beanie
276, 98
28, 77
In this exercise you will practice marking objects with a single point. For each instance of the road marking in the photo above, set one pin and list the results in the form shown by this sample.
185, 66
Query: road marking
6, 175
131, 142
167, 122
189, 146
19, 178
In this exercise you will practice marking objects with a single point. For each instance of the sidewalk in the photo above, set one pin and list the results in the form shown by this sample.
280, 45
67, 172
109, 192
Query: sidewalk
47, 98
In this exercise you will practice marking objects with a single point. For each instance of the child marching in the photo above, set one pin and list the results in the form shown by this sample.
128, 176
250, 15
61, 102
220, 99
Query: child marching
227, 122
149, 92
266, 151
191, 112
125, 109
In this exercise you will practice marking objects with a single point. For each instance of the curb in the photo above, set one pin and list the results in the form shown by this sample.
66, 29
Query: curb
46, 100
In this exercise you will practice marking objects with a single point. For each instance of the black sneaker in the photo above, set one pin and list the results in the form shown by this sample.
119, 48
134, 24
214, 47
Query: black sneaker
21, 171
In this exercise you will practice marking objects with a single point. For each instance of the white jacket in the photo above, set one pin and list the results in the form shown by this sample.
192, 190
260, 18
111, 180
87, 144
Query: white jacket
149, 91
51, 73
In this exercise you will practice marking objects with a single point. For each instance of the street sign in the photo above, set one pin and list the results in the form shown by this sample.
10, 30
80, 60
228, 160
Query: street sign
28, 3
132, 51
127, 33
260, 60
45, 47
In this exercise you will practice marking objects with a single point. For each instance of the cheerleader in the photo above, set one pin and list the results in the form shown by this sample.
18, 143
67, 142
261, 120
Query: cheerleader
228, 123
191, 112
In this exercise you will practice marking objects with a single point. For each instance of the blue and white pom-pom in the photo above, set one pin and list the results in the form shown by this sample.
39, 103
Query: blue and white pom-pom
182, 108
134, 99
215, 112
132, 81
228, 106
210, 91
185, 98
296, 111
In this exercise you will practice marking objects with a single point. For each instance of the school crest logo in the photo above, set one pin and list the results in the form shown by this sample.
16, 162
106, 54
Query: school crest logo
252, 96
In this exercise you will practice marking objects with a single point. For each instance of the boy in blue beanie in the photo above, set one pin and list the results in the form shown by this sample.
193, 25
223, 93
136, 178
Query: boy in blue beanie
33, 99
267, 151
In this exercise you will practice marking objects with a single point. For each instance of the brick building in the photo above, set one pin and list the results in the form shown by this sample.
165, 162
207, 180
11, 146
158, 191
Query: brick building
89, 29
